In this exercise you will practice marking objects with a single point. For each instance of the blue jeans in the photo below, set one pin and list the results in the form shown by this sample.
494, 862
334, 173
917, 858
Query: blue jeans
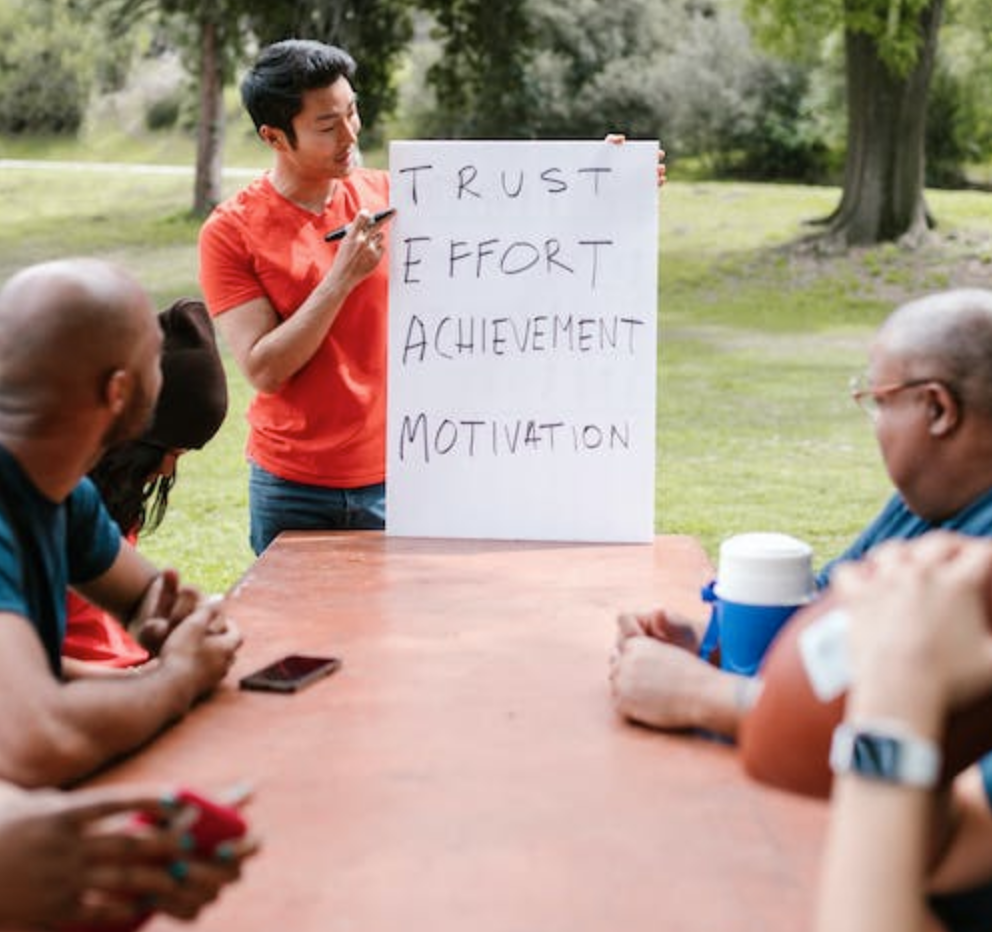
276, 505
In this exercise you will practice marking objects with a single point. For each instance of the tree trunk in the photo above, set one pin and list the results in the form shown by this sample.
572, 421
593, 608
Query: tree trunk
210, 127
883, 196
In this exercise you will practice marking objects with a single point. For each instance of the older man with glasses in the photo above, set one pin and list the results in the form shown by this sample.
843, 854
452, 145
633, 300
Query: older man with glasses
928, 391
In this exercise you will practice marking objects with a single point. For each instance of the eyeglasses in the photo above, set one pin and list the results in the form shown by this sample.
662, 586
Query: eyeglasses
867, 397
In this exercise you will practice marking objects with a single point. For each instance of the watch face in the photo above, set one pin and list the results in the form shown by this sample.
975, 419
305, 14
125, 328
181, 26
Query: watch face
896, 757
875, 756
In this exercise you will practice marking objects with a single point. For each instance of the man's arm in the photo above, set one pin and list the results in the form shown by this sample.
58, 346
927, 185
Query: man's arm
659, 680
148, 601
122, 587
664, 686
269, 351
52, 733
966, 857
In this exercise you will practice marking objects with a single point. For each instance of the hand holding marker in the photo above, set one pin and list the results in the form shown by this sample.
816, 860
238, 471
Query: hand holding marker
377, 218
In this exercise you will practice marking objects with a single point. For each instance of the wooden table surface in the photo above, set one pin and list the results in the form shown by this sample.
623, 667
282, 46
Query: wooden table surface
465, 770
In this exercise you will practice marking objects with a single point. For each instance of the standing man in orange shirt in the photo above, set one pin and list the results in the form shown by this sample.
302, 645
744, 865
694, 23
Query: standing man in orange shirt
305, 318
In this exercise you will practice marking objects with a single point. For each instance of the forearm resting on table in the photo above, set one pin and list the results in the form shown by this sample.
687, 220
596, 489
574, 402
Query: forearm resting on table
53, 733
667, 687
75, 669
729, 700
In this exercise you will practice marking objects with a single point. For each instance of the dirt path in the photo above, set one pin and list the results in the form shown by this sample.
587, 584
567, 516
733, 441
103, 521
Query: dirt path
117, 167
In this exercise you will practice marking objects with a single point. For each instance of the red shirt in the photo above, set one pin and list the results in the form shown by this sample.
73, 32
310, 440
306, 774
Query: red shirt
93, 634
326, 425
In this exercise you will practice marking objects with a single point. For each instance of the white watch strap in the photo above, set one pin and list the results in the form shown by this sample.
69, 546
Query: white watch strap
886, 751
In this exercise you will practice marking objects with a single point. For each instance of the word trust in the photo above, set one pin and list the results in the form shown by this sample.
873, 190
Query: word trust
469, 182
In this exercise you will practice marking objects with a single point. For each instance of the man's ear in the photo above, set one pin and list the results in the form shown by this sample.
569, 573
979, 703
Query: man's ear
943, 410
117, 390
272, 137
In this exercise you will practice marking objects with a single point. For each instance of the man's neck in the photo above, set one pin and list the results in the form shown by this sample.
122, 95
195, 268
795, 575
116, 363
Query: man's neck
51, 467
966, 495
310, 194
953, 498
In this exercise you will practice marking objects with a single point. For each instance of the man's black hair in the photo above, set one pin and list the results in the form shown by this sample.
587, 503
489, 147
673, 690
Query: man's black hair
272, 91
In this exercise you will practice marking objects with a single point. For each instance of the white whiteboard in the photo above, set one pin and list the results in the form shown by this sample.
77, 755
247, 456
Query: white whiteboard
522, 340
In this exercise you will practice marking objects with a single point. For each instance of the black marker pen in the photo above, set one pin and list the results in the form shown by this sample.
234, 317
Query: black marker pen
342, 232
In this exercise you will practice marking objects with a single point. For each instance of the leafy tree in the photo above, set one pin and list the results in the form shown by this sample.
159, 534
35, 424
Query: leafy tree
47, 67
480, 80
684, 71
599, 67
552, 68
211, 35
782, 137
743, 112
215, 36
959, 124
889, 50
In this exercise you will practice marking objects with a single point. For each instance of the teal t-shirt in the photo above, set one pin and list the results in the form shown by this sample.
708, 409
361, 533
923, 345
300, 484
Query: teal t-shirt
897, 522
45, 546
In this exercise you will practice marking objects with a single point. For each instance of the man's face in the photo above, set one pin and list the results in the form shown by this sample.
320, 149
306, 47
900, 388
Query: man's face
146, 375
327, 131
901, 426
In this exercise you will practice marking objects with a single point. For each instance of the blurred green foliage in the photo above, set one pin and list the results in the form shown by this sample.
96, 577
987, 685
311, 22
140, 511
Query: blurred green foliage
696, 74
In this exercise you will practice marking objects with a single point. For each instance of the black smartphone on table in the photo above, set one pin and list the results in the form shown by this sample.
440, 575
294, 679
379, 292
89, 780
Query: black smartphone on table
291, 673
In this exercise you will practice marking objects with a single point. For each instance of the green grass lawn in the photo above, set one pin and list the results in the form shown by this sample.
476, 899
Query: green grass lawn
758, 340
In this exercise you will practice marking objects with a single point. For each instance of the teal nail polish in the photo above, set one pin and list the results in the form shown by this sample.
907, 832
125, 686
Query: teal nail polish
178, 871
224, 852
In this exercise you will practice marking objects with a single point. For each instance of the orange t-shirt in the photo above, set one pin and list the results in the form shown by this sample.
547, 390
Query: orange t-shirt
326, 425
95, 635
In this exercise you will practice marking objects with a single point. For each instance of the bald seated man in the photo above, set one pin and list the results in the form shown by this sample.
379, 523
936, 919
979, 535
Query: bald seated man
928, 389
79, 372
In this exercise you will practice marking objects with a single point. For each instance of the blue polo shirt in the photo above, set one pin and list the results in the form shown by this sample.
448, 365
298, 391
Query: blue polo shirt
67, 542
897, 522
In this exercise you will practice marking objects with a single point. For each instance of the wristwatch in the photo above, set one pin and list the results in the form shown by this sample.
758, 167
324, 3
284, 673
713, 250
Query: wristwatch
888, 752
